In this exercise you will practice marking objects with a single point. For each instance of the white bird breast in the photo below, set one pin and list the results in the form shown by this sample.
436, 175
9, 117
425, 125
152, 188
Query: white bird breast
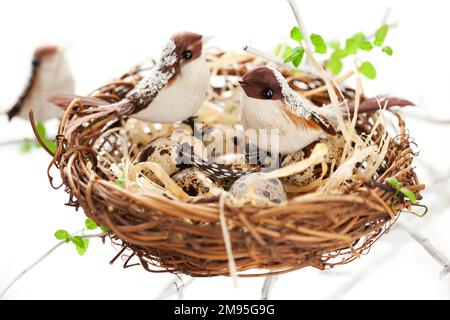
259, 115
181, 99
54, 77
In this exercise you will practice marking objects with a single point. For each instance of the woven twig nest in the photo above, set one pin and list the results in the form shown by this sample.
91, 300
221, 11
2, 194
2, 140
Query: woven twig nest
333, 217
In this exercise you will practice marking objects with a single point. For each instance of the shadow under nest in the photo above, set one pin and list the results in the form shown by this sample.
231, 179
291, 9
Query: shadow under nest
322, 225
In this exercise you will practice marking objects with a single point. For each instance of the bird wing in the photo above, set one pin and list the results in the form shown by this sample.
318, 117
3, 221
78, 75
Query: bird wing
304, 114
148, 88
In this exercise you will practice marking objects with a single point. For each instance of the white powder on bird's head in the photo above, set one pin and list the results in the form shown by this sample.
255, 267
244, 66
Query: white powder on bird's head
164, 70
295, 103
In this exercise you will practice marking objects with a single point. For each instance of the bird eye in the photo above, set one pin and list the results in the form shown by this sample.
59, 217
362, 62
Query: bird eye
187, 54
267, 94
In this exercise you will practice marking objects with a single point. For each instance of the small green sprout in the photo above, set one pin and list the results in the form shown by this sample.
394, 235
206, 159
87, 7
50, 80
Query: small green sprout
121, 180
388, 50
335, 64
81, 245
368, 70
90, 224
319, 43
380, 35
50, 143
398, 186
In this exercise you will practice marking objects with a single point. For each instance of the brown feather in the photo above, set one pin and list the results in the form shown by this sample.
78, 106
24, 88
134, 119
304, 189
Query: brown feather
63, 100
315, 123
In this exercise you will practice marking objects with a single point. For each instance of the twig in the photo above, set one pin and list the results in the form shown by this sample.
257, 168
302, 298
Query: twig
265, 55
48, 253
309, 53
300, 23
275, 60
267, 287
429, 248
430, 119
173, 288
8, 142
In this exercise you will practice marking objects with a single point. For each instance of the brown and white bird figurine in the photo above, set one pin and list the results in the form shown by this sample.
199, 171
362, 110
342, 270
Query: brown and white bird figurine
173, 91
268, 103
50, 73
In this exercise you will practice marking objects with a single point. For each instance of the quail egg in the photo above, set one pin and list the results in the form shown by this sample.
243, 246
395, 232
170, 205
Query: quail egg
272, 189
198, 146
194, 182
160, 151
221, 140
335, 146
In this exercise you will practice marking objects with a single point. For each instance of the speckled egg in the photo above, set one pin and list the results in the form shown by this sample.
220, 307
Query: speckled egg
235, 160
160, 152
222, 140
335, 146
199, 149
272, 189
194, 182
182, 129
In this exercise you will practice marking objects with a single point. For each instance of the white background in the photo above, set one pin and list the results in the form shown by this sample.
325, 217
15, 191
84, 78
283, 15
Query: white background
105, 38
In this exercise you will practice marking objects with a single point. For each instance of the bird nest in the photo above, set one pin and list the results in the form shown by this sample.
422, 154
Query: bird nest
337, 201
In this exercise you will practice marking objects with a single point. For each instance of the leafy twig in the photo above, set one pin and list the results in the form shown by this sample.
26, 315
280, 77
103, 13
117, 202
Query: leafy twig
42, 258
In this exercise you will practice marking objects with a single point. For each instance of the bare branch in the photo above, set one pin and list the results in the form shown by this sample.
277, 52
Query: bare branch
267, 287
265, 56
429, 248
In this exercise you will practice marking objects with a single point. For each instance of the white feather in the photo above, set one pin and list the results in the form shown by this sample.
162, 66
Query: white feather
261, 114
182, 98
54, 77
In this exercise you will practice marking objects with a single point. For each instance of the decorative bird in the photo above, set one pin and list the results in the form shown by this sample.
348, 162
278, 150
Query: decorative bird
173, 91
50, 73
268, 102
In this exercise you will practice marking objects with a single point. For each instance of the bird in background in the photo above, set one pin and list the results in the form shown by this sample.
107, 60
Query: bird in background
50, 72
173, 91
268, 102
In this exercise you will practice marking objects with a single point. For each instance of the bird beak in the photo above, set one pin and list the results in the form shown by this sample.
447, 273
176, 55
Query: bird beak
205, 39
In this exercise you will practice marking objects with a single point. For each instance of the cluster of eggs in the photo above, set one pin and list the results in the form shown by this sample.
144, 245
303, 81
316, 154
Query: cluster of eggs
221, 144
227, 146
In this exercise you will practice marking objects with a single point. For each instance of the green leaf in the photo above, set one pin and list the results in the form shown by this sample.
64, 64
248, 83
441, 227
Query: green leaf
62, 235
368, 70
334, 44
51, 145
296, 34
300, 52
78, 241
104, 229
339, 54
41, 129
335, 66
90, 224
26, 146
296, 57
366, 45
121, 181
82, 250
359, 38
319, 43
388, 50
351, 46
409, 194
393, 182
380, 35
